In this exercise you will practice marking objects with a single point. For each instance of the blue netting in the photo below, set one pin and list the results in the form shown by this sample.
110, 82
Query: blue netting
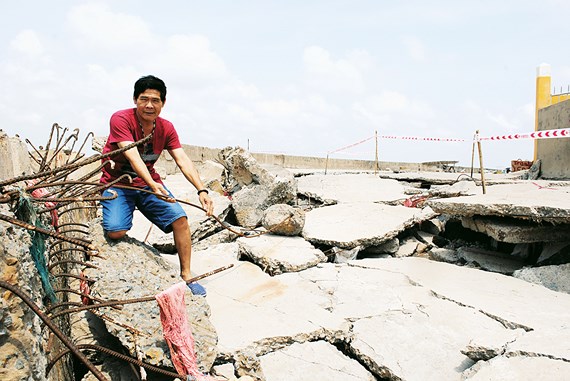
26, 212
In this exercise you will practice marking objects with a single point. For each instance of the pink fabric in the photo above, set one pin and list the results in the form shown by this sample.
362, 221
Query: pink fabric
41, 193
177, 332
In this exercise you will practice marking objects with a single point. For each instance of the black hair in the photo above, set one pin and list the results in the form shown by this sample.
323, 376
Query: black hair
150, 82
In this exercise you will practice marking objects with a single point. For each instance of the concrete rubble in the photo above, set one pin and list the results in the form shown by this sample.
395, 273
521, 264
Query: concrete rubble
455, 286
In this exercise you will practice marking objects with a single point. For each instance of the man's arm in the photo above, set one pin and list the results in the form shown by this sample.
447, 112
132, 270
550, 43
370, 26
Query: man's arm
140, 168
189, 170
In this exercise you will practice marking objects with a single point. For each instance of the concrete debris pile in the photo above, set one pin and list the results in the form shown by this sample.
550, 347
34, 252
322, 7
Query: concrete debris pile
334, 278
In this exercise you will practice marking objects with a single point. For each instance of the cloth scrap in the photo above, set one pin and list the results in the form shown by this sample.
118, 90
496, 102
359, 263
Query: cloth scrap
177, 332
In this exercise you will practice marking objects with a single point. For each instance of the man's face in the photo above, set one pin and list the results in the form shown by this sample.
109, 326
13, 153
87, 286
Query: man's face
149, 105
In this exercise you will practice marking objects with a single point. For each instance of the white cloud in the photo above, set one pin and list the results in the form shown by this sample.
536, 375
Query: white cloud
28, 43
324, 74
100, 27
393, 111
190, 57
415, 48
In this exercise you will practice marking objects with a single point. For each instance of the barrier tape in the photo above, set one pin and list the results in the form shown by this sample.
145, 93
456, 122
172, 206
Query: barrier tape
422, 138
548, 134
351, 145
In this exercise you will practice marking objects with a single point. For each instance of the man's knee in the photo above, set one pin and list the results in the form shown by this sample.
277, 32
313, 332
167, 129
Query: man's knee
116, 235
182, 222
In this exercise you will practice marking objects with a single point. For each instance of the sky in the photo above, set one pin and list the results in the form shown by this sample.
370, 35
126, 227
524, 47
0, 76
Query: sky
291, 77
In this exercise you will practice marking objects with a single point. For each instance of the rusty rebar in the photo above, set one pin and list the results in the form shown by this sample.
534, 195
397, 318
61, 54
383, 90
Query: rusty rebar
85, 295
89, 160
85, 264
132, 301
55, 254
61, 336
51, 233
118, 355
240, 234
69, 275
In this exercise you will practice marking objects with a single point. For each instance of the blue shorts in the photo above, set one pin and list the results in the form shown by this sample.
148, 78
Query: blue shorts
118, 213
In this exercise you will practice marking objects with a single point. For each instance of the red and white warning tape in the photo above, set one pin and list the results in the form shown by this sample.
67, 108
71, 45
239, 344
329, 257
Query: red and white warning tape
422, 138
548, 134
351, 145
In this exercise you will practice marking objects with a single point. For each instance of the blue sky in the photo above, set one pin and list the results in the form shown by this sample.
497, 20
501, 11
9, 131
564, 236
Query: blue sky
292, 77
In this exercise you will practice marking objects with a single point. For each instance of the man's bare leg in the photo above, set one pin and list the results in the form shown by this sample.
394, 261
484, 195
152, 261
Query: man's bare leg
183, 243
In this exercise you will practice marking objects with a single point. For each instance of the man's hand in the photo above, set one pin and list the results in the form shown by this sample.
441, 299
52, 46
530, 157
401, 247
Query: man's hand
158, 188
207, 203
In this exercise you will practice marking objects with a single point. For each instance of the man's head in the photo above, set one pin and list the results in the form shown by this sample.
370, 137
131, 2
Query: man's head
150, 82
149, 97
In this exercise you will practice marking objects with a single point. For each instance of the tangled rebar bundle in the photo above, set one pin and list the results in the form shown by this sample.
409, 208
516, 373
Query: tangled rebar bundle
51, 203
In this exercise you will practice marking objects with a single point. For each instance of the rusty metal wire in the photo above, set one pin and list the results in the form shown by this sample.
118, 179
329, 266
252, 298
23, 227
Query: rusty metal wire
66, 196
76, 165
120, 356
60, 335
89, 296
74, 261
51, 233
250, 233
130, 301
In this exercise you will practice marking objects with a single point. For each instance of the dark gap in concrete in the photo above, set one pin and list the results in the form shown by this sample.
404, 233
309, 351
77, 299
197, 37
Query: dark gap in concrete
346, 350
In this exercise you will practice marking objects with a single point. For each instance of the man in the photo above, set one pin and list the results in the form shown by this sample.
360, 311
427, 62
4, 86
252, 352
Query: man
126, 127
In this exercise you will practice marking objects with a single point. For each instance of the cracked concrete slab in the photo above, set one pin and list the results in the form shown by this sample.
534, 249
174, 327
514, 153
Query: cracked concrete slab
311, 361
251, 308
534, 200
350, 225
520, 368
495, 294
342, 188
517, 231
278, 254
395, 315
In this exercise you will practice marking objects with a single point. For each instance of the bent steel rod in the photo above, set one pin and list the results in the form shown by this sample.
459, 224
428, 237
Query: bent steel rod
119, 356
131, 301
75, 241
89, 160
240, 234
61, 336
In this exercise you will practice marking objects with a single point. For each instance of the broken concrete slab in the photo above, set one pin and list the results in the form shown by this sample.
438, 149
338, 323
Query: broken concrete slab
14, 158
521, 368
409, 343
350, 188
499, 296
387, 300
128, 269
554, 253
443, 255
290, 307
442, 178
360, 224
490, 260
536, 200
278, 254
283, 219
556, 278
517, 231
252, 187
316, 360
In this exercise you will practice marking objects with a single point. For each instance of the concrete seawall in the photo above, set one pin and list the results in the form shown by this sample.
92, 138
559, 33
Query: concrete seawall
200, 154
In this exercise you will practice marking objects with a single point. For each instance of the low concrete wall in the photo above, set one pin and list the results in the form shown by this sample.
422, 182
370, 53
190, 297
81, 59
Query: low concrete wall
200, 154
554, 154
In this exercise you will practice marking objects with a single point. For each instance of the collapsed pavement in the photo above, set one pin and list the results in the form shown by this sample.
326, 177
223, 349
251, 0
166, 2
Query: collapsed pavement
298, 307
